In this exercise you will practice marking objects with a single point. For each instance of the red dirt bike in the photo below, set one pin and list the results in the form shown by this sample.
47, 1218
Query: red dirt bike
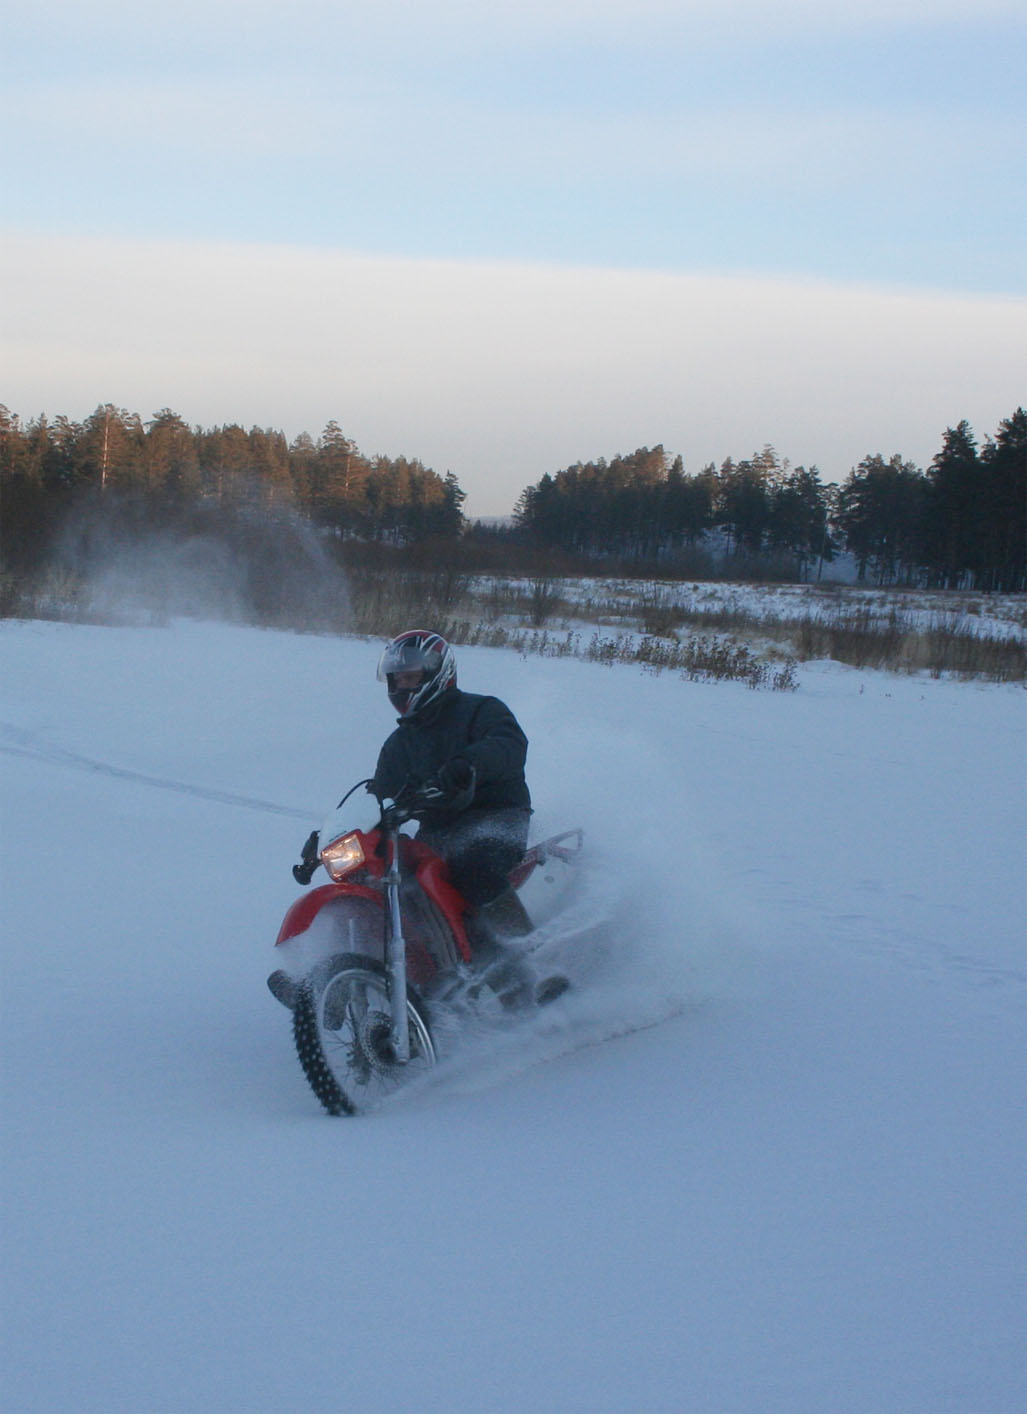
369, 957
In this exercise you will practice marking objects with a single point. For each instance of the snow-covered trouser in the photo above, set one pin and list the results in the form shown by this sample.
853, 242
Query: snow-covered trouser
481, 848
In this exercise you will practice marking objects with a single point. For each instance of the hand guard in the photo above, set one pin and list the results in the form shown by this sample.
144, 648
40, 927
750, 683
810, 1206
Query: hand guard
309, 860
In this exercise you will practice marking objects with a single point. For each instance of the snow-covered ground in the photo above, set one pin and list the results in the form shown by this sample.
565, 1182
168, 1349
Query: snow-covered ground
768, 1157
999, 616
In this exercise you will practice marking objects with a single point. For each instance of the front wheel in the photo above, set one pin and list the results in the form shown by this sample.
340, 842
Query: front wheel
343, 1032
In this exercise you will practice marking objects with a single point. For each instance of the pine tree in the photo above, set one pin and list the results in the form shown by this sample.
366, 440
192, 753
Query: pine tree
953, 522
880, 517
1004, 497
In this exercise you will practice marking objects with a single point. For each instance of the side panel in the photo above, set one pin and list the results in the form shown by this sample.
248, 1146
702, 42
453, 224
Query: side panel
433, 878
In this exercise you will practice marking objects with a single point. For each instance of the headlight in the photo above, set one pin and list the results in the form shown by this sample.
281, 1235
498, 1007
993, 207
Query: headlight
343, 855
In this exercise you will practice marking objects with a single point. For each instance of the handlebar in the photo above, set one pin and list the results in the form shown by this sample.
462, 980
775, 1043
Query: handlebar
414, 798
409, 803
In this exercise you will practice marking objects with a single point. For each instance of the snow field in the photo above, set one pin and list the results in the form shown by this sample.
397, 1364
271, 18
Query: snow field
768, 1156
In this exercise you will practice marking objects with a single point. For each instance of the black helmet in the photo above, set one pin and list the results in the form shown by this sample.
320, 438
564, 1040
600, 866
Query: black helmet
417, 650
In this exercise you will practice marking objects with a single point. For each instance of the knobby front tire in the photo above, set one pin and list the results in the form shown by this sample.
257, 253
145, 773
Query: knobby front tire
341, 1026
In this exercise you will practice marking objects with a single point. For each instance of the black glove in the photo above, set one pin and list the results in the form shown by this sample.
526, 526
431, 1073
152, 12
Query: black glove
310, 859
457, 777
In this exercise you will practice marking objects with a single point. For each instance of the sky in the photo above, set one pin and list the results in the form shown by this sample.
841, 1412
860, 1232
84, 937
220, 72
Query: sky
506, 238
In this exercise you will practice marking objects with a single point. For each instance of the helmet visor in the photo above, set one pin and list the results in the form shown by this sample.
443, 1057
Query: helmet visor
410, 654
421, 652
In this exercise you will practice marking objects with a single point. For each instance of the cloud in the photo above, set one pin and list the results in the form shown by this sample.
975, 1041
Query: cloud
500, 372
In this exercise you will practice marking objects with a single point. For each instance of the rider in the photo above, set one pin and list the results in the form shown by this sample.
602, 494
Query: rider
473, 748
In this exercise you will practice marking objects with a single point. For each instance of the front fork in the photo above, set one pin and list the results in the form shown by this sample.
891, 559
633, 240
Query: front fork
396, 957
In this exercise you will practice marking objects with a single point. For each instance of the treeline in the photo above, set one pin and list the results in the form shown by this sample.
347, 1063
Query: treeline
646, 507
161, 471
962, 523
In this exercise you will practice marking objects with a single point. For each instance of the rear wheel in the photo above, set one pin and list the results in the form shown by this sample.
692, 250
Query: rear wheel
343, 1033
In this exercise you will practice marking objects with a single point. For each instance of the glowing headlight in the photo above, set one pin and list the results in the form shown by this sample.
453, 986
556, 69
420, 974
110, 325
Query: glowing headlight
343, 855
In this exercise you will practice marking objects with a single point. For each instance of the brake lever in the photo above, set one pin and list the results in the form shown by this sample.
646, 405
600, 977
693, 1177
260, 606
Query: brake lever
452, 801
431, 795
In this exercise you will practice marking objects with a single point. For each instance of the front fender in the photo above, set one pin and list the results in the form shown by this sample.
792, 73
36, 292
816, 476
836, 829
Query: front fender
306, 908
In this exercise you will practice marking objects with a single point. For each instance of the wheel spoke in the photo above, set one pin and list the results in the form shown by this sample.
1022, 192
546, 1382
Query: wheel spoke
353, 1028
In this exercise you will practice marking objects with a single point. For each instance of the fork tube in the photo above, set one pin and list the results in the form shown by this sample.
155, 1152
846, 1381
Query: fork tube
396, 958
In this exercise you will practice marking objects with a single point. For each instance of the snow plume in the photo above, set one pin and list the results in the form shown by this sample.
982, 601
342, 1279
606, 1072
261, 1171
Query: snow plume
243, 565
652, 879
642, 934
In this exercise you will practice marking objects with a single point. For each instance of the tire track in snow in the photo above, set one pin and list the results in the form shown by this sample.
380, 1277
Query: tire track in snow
25, 744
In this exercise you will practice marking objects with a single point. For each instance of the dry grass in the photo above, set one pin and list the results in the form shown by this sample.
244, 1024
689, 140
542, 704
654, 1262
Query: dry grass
714, 636
894, 631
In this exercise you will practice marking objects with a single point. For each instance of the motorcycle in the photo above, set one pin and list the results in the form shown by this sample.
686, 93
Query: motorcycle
373, 957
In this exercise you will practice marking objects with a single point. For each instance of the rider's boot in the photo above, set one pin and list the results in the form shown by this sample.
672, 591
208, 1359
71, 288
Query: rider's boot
550, 988
502, 969
507, 972
505, 916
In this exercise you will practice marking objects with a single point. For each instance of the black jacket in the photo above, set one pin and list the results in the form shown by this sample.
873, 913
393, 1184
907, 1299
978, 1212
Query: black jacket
481, 730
